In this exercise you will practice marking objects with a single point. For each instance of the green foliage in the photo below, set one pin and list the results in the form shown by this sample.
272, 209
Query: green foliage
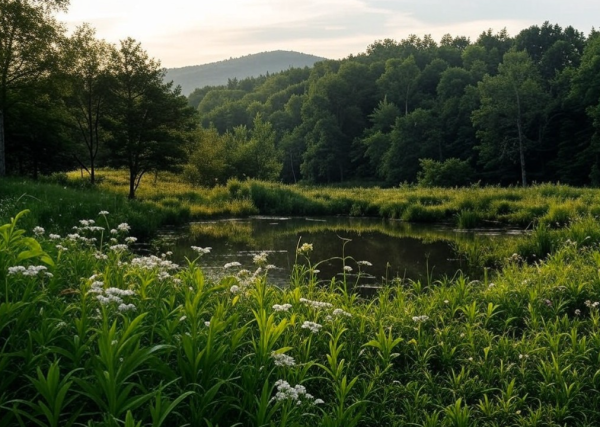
450, 173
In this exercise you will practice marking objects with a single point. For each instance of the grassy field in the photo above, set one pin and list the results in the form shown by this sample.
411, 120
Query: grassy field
91, 334
552, 205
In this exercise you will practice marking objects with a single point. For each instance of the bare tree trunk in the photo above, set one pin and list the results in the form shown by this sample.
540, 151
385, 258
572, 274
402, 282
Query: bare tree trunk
131, 185
2, 151
520, 131
522, 155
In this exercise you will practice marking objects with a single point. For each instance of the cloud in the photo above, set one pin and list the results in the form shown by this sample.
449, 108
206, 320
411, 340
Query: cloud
188, 33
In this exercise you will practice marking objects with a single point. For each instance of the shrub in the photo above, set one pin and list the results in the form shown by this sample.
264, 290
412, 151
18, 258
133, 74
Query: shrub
449, 173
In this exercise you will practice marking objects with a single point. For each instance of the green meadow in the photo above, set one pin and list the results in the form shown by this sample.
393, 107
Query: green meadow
94, 334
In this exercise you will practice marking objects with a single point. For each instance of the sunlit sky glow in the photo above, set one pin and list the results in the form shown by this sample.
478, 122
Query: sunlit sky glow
185, 32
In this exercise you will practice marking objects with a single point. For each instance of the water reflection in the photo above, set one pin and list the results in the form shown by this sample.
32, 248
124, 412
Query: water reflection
394, 248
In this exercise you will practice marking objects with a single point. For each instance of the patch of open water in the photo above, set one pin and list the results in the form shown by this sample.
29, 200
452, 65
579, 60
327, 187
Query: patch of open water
393, 248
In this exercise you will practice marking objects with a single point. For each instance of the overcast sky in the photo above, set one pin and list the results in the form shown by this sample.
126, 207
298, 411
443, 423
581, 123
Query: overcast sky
192, 32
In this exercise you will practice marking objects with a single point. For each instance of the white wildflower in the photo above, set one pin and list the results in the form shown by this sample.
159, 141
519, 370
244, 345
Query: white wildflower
163, 275
420, 319
201, 251
281, 359
340, 312
296, 394
126, 307
282, 307
260, 259
103, 213
207, 323
365, 263
103, 300
234, 289
118, 248
232, 264
32, 270
119, 292
316, 304
131, 239
38, 231
311, 326
54, 236
305, 248
16, 269
347, 268
61, 248
123, 227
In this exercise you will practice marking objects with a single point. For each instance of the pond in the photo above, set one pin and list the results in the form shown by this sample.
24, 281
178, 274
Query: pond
393, 248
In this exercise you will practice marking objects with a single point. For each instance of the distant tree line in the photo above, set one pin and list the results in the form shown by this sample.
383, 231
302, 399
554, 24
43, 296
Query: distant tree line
501, 110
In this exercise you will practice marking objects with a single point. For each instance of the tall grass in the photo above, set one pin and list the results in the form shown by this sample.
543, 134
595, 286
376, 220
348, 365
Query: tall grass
553, 205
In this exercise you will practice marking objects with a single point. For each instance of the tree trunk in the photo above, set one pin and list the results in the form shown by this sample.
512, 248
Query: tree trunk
520, 131
2, 151
522, 155
131, 185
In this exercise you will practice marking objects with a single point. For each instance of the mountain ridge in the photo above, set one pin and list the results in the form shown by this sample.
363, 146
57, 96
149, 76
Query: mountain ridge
218, 73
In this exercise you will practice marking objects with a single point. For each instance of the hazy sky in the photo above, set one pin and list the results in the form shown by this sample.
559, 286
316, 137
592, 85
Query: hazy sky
186, 32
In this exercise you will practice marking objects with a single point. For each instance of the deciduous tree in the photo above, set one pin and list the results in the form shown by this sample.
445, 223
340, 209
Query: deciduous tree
150, 120
29, 36
512, 111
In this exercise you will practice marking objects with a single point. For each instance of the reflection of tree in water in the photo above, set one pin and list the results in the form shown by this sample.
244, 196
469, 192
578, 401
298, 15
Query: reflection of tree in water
394, 248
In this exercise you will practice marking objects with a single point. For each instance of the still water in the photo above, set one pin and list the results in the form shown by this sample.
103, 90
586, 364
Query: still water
394, 248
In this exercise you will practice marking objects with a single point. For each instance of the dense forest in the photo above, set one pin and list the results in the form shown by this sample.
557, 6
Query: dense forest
499, 110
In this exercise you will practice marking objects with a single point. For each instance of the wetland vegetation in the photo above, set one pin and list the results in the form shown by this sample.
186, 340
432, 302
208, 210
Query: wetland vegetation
93, 333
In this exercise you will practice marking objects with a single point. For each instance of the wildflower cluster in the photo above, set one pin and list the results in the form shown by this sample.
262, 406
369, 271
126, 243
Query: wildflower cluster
311, 326
340, 312
111, 295
420, 319
32, 270
296, 394
246, 277
153, 262
305, 249
282, 307
281, 359
316, 304
232, 264
260, 259
201, 251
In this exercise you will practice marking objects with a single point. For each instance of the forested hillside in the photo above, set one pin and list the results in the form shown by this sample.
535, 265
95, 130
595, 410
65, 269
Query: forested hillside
499, 109
219, 73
